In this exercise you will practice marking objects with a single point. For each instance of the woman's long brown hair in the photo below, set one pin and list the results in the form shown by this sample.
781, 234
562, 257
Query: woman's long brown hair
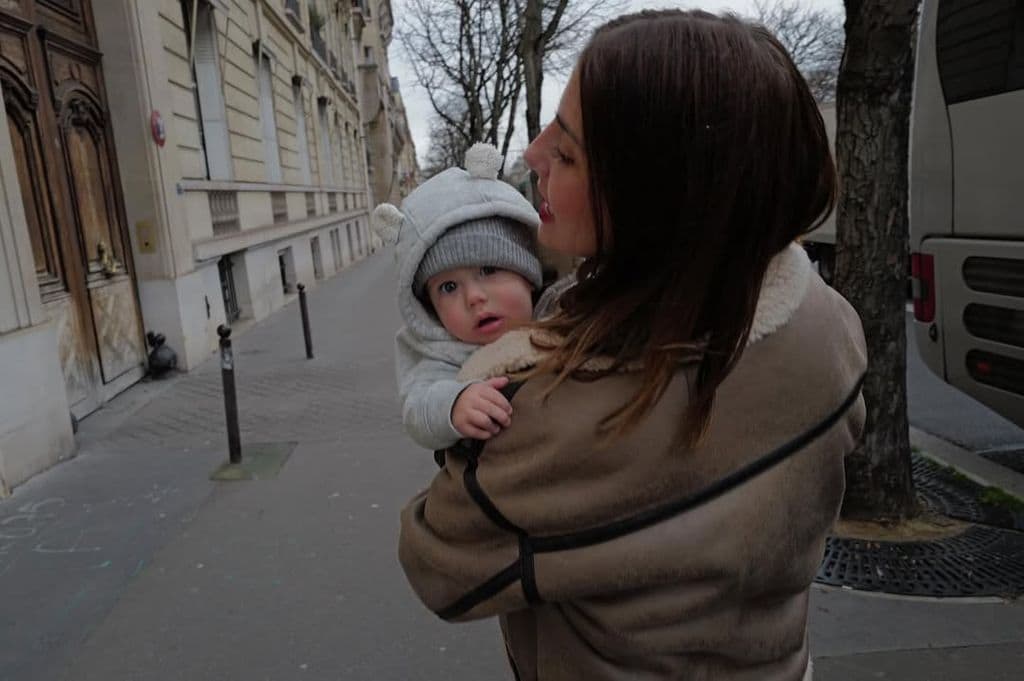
707, 157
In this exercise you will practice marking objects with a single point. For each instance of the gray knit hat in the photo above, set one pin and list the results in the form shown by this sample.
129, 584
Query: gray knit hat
496, 241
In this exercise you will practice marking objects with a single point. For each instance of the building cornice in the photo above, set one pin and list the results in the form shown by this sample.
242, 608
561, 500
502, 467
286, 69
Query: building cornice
215, 247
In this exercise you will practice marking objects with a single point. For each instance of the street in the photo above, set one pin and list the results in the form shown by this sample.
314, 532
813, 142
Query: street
127, 562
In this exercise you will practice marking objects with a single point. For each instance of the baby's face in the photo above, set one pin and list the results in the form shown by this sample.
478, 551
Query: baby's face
479, 304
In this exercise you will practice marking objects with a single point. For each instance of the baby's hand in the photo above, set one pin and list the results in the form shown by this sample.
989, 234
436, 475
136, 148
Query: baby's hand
480, 411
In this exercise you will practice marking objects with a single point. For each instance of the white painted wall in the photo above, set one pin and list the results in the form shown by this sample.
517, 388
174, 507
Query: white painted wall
177, 309
255, 209
198, 221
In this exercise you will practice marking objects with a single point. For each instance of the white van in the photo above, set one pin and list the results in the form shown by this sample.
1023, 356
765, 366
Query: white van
967, 198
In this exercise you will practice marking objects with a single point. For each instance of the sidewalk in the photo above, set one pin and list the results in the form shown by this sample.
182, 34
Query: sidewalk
129, 563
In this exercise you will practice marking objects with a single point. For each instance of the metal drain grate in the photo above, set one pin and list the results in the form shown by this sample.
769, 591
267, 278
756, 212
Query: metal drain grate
986, 560
944, 491
983, 561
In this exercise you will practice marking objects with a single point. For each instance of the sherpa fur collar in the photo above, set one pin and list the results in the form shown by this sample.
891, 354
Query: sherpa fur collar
784, 287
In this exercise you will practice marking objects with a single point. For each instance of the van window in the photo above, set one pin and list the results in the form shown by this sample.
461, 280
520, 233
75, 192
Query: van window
979, 47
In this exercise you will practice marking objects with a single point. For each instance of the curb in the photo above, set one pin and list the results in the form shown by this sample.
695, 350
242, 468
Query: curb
970, 465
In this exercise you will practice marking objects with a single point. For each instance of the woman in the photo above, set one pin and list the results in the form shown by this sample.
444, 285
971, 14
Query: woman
658, 507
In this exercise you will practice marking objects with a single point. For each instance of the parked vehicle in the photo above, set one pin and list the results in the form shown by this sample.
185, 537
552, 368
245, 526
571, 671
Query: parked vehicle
967, 198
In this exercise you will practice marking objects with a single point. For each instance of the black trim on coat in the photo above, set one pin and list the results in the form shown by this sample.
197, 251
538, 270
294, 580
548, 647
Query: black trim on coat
618, 528
523, 568
488, 589
483, 501
467, 446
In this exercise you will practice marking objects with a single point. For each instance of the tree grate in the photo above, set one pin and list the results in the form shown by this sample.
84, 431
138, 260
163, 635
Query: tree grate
943, 490
983, 561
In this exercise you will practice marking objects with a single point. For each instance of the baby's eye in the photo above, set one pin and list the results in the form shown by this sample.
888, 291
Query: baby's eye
447, 287
487, 270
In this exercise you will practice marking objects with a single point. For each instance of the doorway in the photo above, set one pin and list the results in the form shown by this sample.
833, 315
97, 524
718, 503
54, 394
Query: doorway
55, 99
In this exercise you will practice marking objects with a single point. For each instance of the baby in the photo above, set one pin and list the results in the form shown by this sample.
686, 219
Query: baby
467, 273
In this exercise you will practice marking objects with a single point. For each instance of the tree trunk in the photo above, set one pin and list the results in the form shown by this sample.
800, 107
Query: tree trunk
533, 65
873, 110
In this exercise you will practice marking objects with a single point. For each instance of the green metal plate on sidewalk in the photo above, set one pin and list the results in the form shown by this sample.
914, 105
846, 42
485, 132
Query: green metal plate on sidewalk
260, 461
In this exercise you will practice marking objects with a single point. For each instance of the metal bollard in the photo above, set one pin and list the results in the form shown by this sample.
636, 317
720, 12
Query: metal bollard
227, 374
305, 321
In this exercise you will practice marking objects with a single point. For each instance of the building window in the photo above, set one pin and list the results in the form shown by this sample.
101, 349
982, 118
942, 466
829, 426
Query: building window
359, 239
271, 151
332, 202
310, 204
318, 262
355, 156
292, 11
286, 265
301, 138
227, 289
336, 248
324, 143
207, 90
351, 250
347, 151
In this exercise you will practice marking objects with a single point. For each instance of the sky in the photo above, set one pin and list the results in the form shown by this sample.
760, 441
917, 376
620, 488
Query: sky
418, 108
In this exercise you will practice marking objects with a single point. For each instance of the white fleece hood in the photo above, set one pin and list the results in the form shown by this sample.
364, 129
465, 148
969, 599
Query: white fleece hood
449, 198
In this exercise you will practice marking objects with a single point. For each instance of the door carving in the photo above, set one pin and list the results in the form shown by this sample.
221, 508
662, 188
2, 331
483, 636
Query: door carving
60, 132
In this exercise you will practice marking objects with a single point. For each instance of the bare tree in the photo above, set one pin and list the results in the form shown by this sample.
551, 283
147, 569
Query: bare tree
874, 91
814, 37
448, 145
552, 33
467, 51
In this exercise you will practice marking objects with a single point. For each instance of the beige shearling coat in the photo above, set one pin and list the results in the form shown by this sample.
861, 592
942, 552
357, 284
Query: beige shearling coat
636, 560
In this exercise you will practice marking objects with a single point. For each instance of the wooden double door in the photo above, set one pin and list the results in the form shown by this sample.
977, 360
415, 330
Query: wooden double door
50, 71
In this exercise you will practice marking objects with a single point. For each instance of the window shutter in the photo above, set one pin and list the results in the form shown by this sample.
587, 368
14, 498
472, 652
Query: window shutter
211, 97
272, 156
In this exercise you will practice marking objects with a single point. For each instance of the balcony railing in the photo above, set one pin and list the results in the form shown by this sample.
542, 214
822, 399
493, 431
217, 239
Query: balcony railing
224, 212
279, 206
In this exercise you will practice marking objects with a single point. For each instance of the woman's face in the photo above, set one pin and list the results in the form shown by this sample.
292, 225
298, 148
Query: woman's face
556, 155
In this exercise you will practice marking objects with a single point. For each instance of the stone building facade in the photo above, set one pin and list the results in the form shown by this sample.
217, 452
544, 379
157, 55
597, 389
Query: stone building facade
169, 166
390, 153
